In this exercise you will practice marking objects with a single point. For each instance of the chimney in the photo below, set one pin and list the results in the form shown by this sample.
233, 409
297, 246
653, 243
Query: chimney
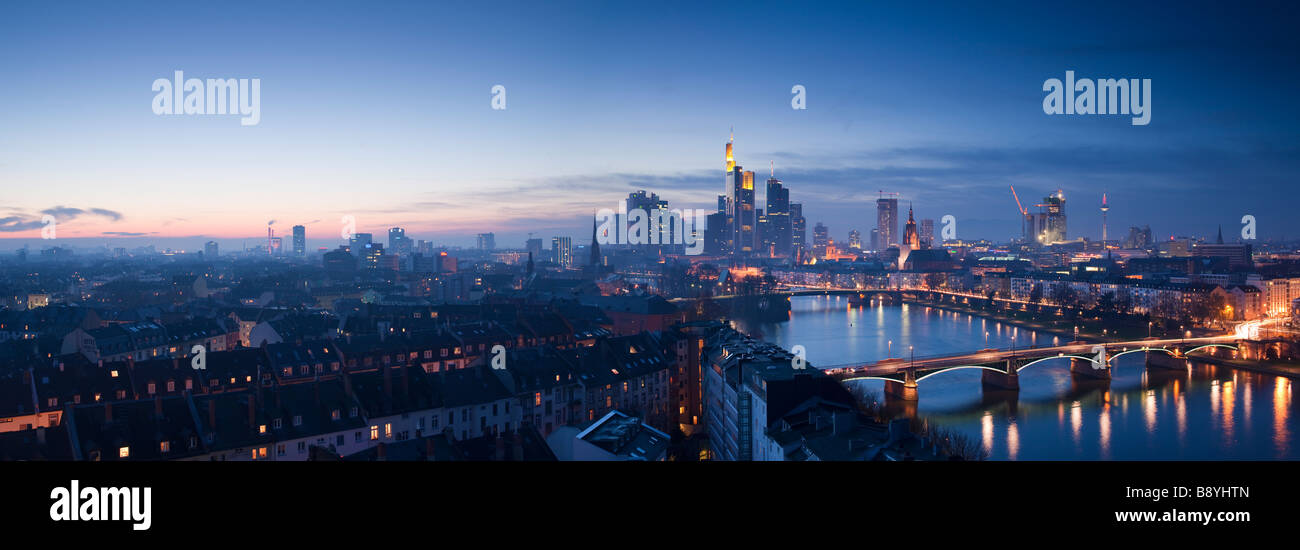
315, 386
176, 363
157, 405
500, 448
388, 381
381, 451
406, 383
108, 412
212, 415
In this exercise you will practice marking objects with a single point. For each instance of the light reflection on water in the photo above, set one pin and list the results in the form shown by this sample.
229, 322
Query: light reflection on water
1207, 412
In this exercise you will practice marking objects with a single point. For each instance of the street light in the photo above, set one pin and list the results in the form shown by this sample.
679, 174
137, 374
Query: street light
890, 353
1148, 329
912, 350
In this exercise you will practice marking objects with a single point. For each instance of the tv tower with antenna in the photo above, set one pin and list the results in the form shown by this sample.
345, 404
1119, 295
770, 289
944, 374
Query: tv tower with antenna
1104, 208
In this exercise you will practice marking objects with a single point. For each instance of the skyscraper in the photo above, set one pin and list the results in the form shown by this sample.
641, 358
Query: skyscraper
210, 250
779, 231
887, 221
821, 237
927, 233
534, 247
562, 251
359, 241
798, 228
487, 241
855, 239
299, 241
741, 217
398, 242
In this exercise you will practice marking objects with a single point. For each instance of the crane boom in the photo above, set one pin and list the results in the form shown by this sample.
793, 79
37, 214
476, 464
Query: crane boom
1023, 212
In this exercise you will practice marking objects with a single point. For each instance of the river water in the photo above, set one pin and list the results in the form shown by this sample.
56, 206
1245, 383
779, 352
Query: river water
1205, 413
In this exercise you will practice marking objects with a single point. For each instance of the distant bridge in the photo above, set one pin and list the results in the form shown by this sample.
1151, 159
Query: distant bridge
1001, 367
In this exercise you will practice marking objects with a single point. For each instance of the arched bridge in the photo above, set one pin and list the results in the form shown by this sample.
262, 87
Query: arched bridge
1001, 367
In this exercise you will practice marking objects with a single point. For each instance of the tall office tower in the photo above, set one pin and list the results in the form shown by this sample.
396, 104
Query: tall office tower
855, 239
487, 241
299, 241
780, 231
764, 233
741, 216
424, 247
398, 242
798, 228
534, 247
875, 239
210, 250
359, 241
645, 201
370, 255
887, 221
1053, 219
562, 251
821, 238
649, 202
927, 233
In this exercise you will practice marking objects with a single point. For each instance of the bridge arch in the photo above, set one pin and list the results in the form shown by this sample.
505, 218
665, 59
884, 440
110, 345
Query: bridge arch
960, 367
1049, 358
885, 378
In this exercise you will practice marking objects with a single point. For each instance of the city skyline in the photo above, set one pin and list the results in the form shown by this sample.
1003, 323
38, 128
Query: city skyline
399, 129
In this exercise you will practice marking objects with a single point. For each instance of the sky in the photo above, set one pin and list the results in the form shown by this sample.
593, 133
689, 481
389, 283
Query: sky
383, 111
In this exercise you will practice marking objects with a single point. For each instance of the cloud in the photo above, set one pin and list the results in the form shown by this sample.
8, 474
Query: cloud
124, 234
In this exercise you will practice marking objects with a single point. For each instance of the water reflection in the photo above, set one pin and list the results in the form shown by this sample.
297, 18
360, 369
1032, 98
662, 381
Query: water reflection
1202, 412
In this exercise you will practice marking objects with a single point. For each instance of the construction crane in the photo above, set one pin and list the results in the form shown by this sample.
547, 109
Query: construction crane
1024, 213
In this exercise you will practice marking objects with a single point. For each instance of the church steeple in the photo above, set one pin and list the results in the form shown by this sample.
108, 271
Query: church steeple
1220, 241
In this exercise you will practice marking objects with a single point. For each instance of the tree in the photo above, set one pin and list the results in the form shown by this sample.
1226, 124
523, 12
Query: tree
1105, 304
1036, 294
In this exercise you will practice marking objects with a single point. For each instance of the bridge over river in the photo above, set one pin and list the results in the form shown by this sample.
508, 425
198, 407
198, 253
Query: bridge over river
1001, 367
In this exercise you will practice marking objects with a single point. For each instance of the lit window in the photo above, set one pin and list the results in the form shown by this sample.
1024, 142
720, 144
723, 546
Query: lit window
388, 430
165, 446
112, 373
261, 428
334, 414
374, 433
124, 452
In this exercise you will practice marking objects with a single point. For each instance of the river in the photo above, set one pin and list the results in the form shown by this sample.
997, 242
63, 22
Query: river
1205, 413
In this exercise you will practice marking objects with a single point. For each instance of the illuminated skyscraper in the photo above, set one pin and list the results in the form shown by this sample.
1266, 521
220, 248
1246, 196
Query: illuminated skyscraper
299, 241
778, 232
887, 222
741, 217
487, 241
562, 251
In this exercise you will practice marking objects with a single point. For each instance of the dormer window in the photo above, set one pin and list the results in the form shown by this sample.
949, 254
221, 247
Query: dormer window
171, 385
297, 420
352, 413
277, 423
53, 401
124, 452
165, 446
151, 387
113, 373
261, 428
334, 414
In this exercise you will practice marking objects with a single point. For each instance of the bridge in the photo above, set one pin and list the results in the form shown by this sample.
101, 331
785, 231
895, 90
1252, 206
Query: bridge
1001, 367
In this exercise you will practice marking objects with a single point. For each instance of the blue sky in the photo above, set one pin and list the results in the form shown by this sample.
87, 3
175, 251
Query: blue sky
381, 110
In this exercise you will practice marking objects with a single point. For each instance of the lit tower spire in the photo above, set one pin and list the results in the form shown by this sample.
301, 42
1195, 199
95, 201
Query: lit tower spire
731, 161
1104, 208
